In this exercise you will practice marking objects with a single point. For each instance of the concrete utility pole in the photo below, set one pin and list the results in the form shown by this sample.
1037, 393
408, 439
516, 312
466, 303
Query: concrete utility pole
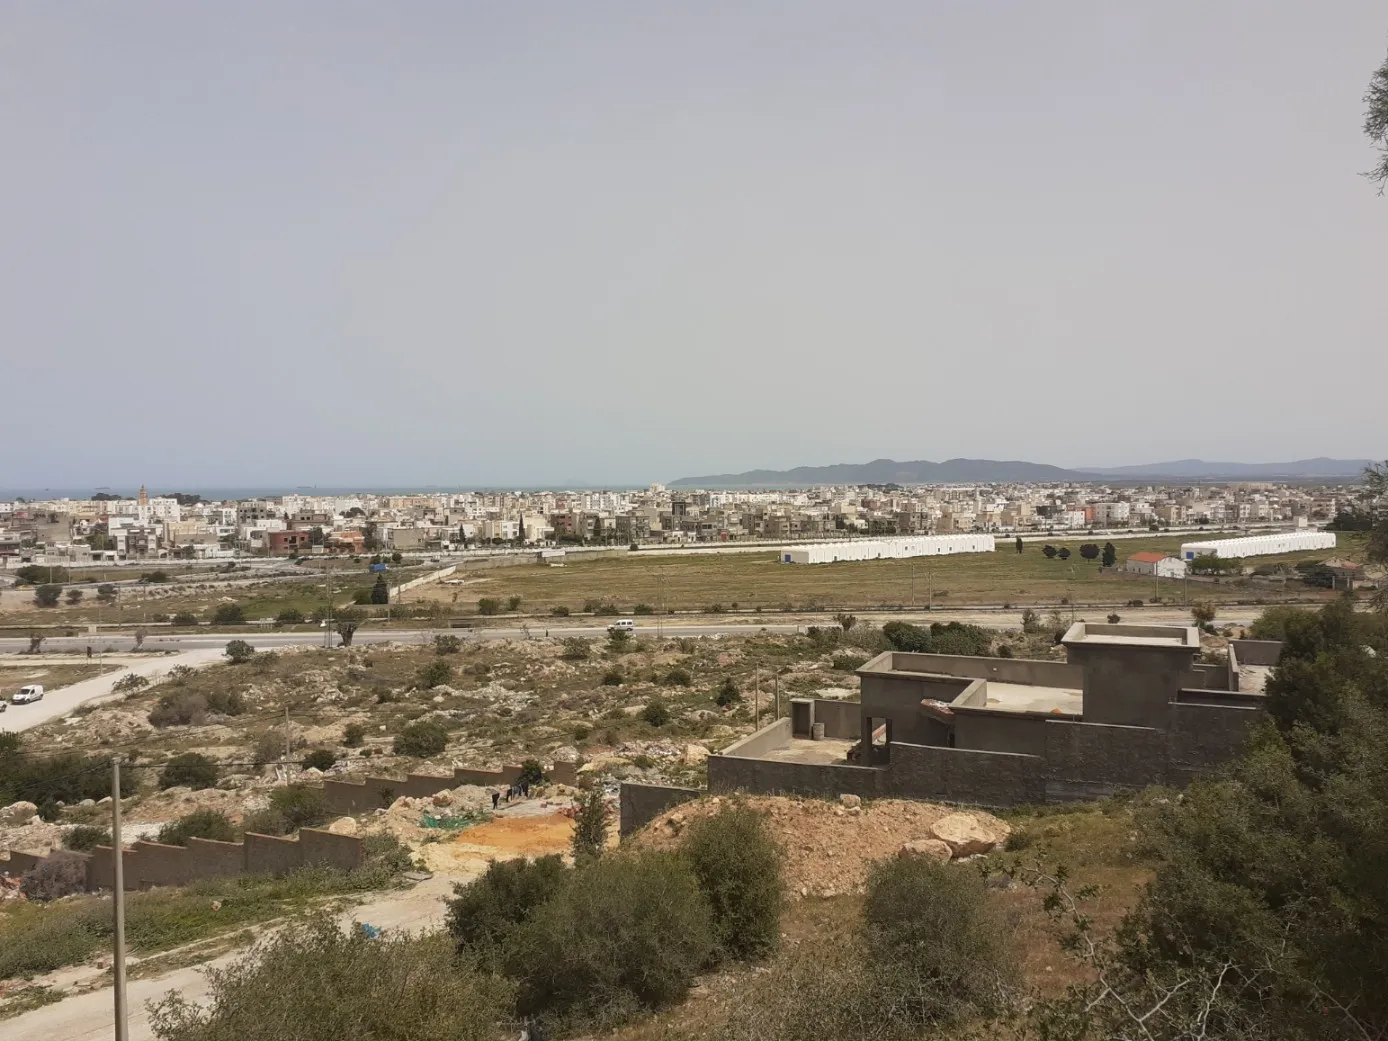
118, 881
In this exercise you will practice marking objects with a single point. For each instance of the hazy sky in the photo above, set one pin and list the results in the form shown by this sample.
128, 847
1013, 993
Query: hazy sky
527, 243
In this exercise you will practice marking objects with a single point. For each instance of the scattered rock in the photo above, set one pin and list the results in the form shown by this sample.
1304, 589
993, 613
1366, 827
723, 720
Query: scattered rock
694, 755
850, 801
18, 812
936, 849
343, 826
968, 833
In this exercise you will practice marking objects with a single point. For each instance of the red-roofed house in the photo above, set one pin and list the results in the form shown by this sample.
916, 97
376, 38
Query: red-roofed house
1162, 565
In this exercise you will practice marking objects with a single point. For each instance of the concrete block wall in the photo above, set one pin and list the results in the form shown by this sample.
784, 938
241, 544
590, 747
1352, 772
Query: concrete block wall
1257, 652
767, 739
349, 798
1092, 760
1202, 737
992, 731
965, 775
271, 855
1004, 670
728, 774
639, 804
841, 719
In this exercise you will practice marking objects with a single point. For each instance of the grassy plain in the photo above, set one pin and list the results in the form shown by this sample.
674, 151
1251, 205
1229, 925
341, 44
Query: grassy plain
748, 581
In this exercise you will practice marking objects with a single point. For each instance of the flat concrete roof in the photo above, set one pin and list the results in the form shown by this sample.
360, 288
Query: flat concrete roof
1253, 678
1024, 697
802, 750
1174, 637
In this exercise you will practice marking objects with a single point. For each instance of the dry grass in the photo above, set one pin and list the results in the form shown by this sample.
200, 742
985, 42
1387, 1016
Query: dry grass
51, 675
750, 581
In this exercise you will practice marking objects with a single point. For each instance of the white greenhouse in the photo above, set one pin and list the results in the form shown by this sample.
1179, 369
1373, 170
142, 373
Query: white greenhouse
1259, 545
886, 549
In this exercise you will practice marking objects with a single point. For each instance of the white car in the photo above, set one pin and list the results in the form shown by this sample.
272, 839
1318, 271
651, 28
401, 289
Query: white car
33, 692
622, 625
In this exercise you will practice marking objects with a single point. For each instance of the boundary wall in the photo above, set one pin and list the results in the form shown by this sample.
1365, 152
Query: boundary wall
148, 864
639, 804
349, 798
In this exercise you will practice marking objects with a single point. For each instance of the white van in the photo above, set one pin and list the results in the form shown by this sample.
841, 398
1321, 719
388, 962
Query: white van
622, 625
33, 692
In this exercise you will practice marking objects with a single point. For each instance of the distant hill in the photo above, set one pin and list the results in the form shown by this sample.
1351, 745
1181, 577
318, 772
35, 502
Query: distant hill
993, 471
887, 471
1198, 469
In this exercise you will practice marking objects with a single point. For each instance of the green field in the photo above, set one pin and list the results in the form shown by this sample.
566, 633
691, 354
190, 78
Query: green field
748, 581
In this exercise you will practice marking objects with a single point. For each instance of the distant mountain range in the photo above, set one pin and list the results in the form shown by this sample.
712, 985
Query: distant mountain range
993, 471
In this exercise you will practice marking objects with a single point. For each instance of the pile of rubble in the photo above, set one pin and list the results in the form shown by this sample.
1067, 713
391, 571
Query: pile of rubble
829, 846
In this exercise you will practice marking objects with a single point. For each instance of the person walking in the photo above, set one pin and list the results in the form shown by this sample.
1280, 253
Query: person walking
496, 798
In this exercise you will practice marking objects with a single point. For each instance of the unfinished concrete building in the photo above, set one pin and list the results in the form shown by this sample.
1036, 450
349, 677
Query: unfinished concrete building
1132, 706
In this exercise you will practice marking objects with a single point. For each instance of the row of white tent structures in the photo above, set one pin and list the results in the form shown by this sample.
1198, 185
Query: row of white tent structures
1259, 545
886, 549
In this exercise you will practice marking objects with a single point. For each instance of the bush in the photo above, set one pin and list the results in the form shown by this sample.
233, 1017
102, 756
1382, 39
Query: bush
531, 772
643, 609
129, 683
590, 825
433, 674
848, 662
292, 807
560, 612
200, 824
314, 982
353, 735
1031, 621
182, 707
612, 678
513, 603
656, 713
575, 649
447, 644
679, 677
290, 616
320, 759
47, 595
489, 605
51, 778
1274, 622
84, 838
229, 614
727, 693
185, 618
239, 652
155, 577
59, 874
483, 912
189, 770
738, 866
934, 941
1114, 619
422, 738
624, 933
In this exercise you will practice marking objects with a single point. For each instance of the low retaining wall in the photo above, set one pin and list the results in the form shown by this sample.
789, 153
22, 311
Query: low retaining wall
1257, 652
349, 798
728, 774
965, 775
147, 864
1092, 760
642, 803
767, 739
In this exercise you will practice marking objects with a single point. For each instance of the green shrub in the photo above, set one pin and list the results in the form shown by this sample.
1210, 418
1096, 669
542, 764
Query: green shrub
483, 912
422, 738
612, 678
229, 614
320, 759
848, 662
489, 605
679, 677
84, 838
575, 649
582, 731
292, 807
200, 824
531, 772
316, 982
624, 933
447, 644
353, 735
59, 874
239, 651
433, 674
727, 693
129, 683
45, 780
290, 616
739, 868
934, 942
656, 713
560, 612
643, 609
182, 707
184, 619
189, 770
590, 825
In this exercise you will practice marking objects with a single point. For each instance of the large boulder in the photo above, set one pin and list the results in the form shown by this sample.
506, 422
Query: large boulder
18, 812
694, 754
968, 833
343, 826
936, 849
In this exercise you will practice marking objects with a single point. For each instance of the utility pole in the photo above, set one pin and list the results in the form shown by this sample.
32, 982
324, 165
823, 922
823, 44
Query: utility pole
118, 881
756, 699
913, 583
286, 744
776, 690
